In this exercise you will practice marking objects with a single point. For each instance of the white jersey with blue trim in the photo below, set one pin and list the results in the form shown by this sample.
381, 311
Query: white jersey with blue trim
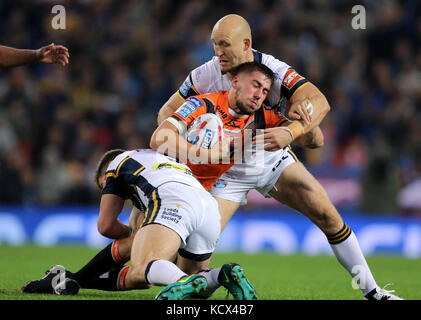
155, 167
209, 78
146, 170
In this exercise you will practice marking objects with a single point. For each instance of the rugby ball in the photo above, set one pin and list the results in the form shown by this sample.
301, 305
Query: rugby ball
205, 131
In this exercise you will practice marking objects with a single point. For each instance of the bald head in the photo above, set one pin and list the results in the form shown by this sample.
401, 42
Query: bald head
231, 37
235, 25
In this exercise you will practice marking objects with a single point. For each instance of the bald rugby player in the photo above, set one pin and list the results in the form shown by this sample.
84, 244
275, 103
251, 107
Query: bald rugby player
282, 176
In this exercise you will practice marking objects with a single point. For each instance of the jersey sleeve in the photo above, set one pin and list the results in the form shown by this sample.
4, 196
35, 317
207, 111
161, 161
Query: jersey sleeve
187, 89
278, 67
114, 186
191, 109
200, 79
291, 82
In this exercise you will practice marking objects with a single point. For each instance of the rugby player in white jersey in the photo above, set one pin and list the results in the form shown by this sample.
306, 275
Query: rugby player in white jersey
281, 176
181, 218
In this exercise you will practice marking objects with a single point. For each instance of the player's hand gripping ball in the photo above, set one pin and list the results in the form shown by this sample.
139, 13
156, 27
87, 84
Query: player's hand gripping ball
205, 131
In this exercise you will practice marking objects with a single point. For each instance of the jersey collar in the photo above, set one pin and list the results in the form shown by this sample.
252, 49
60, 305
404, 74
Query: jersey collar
257, 56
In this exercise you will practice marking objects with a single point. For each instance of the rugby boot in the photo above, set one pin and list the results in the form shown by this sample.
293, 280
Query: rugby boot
44, 285
186, 287
233, 279
378, 294
67, 287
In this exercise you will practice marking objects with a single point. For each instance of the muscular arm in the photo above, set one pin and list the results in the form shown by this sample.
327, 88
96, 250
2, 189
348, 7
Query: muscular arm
11, 57
305, 132
173, 103
312, 139
309, 93
108, 224
167, 140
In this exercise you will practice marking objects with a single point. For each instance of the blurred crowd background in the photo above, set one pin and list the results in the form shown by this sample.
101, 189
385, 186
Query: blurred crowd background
128, 57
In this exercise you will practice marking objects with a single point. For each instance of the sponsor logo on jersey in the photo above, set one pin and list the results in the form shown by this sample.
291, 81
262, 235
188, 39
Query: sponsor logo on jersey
186, 109
291, 78
222, 113
196, 102
185, 87
171, 214
183, 112
232, 124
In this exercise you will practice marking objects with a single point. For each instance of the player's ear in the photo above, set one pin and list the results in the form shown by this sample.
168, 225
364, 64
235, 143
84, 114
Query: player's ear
234, 81
102, 181
247, 44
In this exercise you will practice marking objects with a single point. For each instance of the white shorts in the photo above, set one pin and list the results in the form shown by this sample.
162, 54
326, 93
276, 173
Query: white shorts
191, 212
235, 184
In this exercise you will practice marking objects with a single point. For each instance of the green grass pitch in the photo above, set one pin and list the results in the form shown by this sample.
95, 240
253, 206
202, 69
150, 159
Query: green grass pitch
275, 277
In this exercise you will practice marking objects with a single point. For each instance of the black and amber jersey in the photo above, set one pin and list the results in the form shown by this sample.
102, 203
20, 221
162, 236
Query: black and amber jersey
235, 125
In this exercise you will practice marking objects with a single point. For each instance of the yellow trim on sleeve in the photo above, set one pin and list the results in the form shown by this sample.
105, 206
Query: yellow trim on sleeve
119, 166
178, 91
192, 87
170, 165
298, 89
138, 171
110, 174
112, 194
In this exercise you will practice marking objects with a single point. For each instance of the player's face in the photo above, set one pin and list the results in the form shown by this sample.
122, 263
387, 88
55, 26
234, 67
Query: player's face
251, 89
229, 49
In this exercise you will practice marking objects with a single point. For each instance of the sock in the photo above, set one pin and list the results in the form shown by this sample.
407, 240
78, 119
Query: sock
211, 276
115, 252
348, 252
108, 258
112, 280
162, 273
